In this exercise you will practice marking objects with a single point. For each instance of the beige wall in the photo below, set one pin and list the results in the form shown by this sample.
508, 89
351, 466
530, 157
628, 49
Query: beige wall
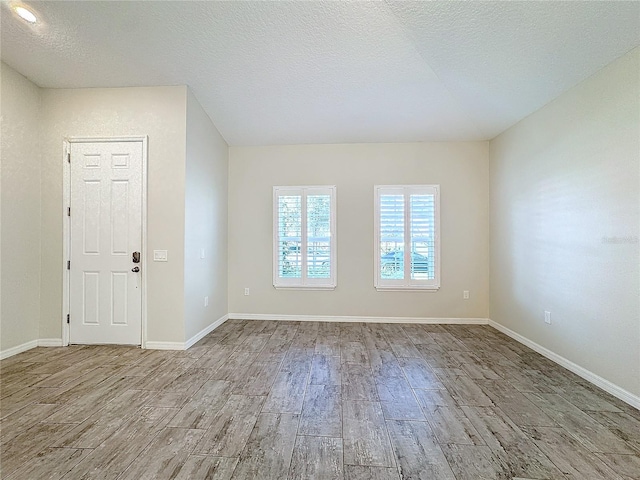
206, 180
20, 212
160, 113
461, 169
564, 183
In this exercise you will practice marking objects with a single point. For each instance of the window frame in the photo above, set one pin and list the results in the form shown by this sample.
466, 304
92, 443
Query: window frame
305, 283
407, 283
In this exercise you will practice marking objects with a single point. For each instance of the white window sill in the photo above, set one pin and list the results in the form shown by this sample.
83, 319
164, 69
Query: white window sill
411, 288
304, 287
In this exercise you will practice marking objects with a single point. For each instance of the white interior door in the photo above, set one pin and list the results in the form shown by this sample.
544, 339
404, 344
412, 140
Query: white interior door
105, 301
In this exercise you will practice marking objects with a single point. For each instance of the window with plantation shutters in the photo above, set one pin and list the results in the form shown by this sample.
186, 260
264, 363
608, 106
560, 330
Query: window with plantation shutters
304, 246
407, 237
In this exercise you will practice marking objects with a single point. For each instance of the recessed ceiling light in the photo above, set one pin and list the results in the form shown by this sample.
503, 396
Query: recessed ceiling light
26, 14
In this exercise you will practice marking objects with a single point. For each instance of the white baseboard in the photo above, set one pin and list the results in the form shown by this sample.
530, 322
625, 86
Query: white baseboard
597, 380
50, 342
204, 332
185, 345
10, 352
57, 342
332, 318
42, 342
164, 345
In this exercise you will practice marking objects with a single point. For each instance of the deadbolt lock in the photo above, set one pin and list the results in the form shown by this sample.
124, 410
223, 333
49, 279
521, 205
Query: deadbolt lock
136, 257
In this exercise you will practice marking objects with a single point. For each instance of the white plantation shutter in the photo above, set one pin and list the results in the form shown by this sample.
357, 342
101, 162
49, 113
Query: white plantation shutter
319, 236
304, 237
392, 235
422, 232
407, 237
289, 235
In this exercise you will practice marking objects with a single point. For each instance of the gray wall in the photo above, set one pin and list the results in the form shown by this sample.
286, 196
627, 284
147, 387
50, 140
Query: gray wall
461, 169
206, 221
20, 211
160, 113
565, 200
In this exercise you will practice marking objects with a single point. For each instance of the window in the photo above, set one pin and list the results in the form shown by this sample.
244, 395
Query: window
304, 246
407, 237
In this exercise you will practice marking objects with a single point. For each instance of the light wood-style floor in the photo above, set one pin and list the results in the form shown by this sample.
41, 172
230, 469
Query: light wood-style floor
278, 400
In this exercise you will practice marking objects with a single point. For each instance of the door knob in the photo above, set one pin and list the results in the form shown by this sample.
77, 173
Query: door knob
135, 269
136, 257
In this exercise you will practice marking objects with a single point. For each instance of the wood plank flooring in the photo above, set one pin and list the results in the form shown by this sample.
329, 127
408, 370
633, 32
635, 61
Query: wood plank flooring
310, 400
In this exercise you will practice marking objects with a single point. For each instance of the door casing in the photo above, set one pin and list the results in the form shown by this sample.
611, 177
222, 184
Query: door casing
66, 230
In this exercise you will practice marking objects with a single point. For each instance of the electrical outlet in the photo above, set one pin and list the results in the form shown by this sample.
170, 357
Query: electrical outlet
206, 301
465, 294
246, 291
547, 317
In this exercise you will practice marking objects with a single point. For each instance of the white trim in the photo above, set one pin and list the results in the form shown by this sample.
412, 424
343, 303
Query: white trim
164, 345
204, 332
42, 342
304, 282
66, 201
10, 352
303, 288
406, 284
145, 250
332, 318
66, 229
189, 343
597, 380
413, 288
50, 342
124, 138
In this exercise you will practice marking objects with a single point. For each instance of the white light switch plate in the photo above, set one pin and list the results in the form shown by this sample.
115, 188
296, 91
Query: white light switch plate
159, 255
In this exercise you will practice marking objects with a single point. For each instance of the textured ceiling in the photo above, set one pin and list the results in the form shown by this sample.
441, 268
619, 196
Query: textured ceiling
330, 72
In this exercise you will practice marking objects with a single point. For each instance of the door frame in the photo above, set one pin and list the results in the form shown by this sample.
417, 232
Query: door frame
66, 229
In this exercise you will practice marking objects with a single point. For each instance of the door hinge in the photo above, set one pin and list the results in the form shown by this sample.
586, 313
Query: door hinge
67, 318
68, 211
68, 264
68, 157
